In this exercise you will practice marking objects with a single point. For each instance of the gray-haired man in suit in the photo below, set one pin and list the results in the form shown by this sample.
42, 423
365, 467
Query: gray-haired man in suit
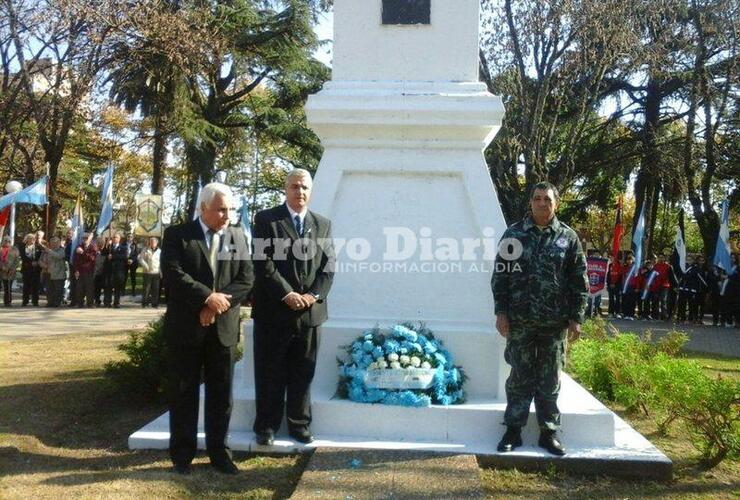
293, 262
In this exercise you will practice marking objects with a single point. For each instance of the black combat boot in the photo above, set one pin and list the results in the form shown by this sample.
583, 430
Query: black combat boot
549, 441
512, 439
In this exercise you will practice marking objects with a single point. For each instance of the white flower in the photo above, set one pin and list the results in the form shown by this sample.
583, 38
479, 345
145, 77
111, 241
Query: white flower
395, 365
393, 357
426, 365
404, 359
381, 363
373, 366
415, 361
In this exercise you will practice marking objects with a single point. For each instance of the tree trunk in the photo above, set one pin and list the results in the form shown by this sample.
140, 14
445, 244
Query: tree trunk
159, 156
201, 164
646, 181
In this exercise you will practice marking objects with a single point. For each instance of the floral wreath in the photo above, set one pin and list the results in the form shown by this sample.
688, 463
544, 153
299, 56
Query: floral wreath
403, 365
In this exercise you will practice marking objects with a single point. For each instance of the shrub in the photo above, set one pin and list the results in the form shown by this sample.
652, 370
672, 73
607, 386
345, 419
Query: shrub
144, 372
602, 365
639, 375
672, 343
710, 408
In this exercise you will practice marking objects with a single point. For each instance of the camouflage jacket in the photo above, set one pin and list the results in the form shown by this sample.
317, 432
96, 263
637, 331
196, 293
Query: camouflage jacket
541, 282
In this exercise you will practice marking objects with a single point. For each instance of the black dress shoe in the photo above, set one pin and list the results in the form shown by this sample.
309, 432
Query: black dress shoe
301, 435
512, 440
183, 469
265, 438
225, 466
549, 441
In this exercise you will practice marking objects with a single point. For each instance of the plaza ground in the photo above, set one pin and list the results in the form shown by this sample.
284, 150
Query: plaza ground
63, 427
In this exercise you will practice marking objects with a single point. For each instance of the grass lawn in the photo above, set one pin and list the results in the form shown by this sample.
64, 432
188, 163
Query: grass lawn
63, 433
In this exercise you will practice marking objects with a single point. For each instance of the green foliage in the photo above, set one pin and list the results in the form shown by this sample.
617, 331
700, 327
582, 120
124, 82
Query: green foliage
639, 375
144, 372
711, 410
672, 343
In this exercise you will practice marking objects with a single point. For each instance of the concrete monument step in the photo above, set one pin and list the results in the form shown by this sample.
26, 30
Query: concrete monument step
347, 473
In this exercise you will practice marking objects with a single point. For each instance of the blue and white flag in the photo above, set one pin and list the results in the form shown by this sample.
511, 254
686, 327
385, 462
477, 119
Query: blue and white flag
35, 194
678, 257
636, 247
106, 213
722, 256
78, 228
244, 221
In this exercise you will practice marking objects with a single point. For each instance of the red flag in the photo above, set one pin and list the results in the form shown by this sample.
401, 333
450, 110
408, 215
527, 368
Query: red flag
618, 231
4, 216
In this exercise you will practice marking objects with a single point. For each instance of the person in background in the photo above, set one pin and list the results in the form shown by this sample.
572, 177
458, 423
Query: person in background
731, 295
9, 258
43, 273
69, 248
84, 266
30, 269
701, 294
103, 244
57, 269
651, 293
715, 278
116, 269
614, 276
132, 263
593, 306
149, 262
688, 290
630, 290
664, 270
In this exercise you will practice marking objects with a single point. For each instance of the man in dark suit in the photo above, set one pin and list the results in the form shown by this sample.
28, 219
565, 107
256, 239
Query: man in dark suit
293, 262
115, 269
207, 280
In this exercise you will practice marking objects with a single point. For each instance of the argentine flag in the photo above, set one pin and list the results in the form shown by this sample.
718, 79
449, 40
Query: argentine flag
636, 247
244, 222
35, 194
106, 213
722, 257
78, 228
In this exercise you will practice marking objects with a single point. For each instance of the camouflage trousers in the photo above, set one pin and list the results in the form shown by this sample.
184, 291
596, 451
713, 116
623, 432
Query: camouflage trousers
536, 357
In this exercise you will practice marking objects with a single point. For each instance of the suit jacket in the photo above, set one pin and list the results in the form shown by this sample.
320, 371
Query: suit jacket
28, 260
190, 280
117, 264
277, 274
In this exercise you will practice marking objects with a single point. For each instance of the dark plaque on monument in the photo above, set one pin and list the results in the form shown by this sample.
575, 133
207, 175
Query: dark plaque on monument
406, 11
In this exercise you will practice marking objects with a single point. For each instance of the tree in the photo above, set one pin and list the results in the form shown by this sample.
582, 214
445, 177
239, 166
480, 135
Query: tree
72, 53
549, 61
714, 79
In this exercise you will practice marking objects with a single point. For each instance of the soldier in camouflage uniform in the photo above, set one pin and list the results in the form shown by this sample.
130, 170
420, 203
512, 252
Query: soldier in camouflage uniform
540, 289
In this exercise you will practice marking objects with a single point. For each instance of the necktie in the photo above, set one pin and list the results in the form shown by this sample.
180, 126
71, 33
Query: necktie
298, 225
213, 254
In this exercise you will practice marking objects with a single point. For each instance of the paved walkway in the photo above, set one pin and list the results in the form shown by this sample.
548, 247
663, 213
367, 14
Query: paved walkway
28, 322
370, 474
702, 338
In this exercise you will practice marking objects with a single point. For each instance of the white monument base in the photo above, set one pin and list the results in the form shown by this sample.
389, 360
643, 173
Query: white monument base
589, 429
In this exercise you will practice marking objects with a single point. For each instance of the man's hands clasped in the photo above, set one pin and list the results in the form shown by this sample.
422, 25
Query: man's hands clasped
298, 302
216, 303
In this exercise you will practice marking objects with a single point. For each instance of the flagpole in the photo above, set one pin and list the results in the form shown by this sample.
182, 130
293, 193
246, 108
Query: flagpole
11, 229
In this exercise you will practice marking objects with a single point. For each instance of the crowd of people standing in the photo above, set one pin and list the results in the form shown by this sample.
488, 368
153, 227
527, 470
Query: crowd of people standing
657, 291
90, 273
